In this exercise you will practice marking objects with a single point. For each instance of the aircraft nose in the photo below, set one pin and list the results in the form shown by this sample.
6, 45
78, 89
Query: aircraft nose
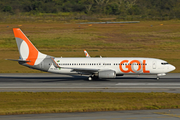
172, 67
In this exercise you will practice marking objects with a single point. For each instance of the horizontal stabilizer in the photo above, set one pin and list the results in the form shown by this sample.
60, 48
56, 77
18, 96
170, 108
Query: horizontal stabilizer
19, 60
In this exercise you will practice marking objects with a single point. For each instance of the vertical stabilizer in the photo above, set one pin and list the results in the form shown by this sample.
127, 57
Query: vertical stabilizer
26, 49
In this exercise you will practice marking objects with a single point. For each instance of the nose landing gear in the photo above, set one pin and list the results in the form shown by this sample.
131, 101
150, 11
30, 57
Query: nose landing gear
158, 75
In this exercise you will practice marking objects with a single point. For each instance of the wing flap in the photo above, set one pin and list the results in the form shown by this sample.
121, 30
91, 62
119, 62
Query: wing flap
86, 70
83, 70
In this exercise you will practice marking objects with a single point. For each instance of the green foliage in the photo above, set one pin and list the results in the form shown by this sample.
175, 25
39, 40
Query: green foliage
7, 9
151, 8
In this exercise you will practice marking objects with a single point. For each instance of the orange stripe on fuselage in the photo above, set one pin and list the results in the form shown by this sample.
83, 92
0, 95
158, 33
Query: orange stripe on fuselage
33, 52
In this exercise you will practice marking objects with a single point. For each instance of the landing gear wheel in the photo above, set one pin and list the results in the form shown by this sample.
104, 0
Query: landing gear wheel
90, 78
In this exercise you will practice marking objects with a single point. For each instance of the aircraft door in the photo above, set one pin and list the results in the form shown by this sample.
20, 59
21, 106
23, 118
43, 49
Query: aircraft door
154, 65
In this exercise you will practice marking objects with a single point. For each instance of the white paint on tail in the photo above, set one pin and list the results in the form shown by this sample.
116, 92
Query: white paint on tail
40, 58
24, 50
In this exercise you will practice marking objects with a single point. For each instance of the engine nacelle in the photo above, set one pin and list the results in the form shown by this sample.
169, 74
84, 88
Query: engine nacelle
107, 74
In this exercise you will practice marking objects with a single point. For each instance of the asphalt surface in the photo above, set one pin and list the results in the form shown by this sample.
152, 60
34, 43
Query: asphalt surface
46, 82
167, 114
61, 83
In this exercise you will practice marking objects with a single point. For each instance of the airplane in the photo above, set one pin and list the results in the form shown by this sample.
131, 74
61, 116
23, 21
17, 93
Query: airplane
86, 54
96, 68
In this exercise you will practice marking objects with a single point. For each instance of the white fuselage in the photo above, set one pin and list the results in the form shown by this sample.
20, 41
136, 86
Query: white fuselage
119, 65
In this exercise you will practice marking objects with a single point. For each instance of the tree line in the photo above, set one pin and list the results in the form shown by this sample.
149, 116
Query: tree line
105, 7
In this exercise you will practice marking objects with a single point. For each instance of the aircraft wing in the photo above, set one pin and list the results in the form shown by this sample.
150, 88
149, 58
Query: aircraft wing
83, 70
86, 70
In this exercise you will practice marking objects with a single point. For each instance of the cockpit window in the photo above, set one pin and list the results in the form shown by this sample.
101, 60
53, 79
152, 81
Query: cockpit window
164, 63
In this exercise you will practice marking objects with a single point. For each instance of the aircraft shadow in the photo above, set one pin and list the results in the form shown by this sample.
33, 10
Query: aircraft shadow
40, 79
31, 79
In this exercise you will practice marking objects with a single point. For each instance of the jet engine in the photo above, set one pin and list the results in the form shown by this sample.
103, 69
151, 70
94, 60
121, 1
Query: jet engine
107, 74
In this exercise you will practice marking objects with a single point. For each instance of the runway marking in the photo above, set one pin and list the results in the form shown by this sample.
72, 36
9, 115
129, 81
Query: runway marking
148, 84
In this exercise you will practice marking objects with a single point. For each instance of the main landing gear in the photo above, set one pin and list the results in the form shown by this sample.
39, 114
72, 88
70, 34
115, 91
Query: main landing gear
89, 78
92, 77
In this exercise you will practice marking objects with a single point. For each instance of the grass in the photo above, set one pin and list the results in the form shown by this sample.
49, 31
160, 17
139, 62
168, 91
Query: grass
157, 39
55, 102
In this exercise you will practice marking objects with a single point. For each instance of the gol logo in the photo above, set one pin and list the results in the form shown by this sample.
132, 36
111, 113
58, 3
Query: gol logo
131, 66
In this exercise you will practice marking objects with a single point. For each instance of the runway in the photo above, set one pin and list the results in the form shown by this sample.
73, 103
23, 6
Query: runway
46, 82
166, 114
